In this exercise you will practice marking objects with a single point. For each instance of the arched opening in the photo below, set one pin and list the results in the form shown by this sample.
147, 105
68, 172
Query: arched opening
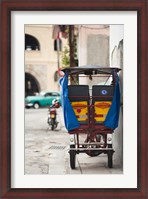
31, 43
31, 85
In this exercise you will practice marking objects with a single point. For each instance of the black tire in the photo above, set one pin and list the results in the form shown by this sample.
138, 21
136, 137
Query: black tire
27, 107
110, 159
36, 105
52, 127
53, 124
72, 154
110, 156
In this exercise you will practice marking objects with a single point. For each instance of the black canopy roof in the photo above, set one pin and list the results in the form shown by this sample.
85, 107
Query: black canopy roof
90, 70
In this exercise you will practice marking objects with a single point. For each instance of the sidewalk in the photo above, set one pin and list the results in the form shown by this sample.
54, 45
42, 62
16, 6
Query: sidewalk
59, 163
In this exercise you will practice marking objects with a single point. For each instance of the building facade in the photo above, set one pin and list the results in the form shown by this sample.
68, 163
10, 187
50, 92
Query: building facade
41, 59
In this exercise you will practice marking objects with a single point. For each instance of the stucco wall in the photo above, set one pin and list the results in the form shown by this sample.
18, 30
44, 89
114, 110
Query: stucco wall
93, 48
96, 55
116, 60
91, 38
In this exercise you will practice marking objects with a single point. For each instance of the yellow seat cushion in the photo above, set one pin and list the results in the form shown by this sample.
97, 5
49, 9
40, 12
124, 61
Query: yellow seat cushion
101, 109
81, 110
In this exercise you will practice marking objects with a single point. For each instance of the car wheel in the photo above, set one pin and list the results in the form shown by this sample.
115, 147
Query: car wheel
36, 105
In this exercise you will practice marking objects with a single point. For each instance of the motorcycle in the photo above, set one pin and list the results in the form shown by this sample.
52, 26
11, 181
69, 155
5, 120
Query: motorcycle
52, 114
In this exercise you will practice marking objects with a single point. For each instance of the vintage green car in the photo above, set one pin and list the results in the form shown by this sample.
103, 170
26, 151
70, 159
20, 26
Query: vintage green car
42, 100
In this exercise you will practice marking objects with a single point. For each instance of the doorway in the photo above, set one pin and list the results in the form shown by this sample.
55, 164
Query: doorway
31, 85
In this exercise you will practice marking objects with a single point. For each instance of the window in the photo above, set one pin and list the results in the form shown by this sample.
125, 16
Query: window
55, 94
48, 95
31, 43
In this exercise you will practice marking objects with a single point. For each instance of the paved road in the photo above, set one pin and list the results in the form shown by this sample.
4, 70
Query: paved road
46, 151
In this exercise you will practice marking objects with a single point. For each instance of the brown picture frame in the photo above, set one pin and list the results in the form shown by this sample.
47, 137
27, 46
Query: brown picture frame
141, 6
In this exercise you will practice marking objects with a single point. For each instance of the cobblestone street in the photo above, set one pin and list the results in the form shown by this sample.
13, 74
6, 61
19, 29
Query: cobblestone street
46, 151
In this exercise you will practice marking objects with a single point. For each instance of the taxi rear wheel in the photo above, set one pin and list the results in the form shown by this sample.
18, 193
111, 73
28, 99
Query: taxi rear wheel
110, 159
72, 157
110, 156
